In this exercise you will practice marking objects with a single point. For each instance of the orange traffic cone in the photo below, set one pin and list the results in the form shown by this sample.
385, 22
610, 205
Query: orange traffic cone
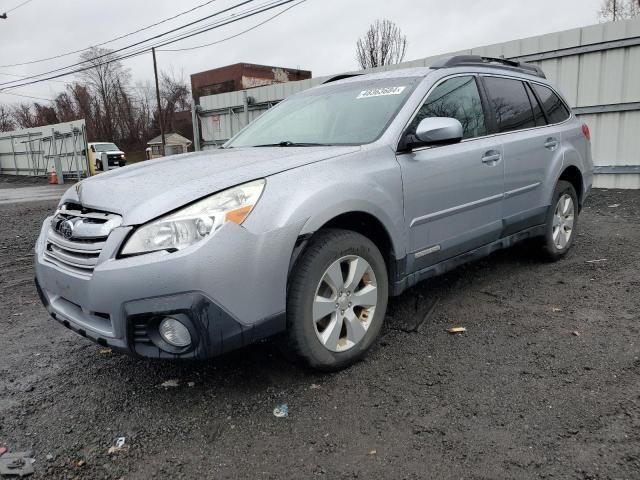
53, 177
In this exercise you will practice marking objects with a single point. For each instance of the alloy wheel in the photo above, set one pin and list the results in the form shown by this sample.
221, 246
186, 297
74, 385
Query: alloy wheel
344, 303
563, 219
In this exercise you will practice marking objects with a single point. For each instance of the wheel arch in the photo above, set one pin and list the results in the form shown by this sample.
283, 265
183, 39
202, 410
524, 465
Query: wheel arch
573, 175
360, 221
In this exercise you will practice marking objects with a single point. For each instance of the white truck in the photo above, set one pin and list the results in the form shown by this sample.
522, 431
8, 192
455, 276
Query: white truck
99, 152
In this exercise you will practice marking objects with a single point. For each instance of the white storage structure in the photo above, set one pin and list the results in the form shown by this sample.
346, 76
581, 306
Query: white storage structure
37, 151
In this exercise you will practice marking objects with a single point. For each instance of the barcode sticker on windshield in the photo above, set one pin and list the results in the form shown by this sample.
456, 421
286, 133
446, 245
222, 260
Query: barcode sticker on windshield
380, 92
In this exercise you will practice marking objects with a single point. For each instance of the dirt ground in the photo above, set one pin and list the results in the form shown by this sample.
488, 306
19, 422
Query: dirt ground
545, 383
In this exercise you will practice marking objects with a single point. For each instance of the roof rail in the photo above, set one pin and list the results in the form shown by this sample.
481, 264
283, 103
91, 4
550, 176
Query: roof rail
470, 60
342, 76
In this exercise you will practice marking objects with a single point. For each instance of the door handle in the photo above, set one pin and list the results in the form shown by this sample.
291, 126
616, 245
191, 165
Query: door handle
491, 157
551, 143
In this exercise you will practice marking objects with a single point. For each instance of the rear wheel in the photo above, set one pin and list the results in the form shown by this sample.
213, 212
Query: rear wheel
337, 299
562, 221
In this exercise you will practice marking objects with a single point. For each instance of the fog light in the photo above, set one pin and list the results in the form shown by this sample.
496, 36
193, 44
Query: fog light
174, 332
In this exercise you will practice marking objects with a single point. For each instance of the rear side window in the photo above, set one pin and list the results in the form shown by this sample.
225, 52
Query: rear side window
537, 110
510, 103
555, 108
457, 98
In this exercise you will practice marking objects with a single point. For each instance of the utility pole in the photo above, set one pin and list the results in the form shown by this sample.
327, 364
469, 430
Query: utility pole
614, 10
155, 72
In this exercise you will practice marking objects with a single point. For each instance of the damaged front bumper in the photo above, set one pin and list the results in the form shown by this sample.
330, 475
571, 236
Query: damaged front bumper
228, 291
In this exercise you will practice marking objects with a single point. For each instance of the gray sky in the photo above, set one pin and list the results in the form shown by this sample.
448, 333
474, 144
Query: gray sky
318, 35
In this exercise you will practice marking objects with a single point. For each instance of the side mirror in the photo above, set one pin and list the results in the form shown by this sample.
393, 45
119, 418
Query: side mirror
437, 131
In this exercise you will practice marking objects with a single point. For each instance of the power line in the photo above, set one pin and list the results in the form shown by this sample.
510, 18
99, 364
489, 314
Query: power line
273, 17
143, 50
132, 100
26, 96
22, 77
257, 10
18, 6
147, 49
139, 42
30, 62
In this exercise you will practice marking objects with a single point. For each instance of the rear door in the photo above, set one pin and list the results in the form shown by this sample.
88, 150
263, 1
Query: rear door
531, 150
453, 193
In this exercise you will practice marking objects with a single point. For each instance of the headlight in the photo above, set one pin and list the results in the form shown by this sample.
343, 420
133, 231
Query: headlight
193, 223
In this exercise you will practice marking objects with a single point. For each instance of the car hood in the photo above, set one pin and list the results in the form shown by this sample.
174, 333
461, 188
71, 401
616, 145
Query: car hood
146, 190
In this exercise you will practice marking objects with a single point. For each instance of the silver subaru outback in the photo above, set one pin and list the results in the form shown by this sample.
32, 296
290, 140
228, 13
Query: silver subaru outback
306, 221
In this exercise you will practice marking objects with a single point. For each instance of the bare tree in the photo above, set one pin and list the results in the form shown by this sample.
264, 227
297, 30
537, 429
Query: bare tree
613, 10
383, 44
112, 108
23, 116
104, 80
176, 98
6, 119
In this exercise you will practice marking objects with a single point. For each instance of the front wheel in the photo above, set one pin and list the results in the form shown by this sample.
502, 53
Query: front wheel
337, 299
562, 221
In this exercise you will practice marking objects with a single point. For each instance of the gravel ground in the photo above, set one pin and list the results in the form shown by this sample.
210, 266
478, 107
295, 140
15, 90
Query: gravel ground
545, 383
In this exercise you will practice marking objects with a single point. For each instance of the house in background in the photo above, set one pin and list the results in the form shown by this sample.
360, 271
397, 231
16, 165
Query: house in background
174, 144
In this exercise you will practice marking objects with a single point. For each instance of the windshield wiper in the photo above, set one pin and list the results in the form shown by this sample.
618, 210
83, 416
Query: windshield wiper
288, 143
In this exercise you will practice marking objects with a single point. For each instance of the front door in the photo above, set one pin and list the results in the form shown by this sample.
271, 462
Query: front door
453, 193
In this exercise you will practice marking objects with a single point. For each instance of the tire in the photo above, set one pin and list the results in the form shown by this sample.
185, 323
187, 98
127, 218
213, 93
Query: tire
352, 322
561, 223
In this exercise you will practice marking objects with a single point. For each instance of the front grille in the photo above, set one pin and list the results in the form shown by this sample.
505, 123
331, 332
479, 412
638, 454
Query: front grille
76, 237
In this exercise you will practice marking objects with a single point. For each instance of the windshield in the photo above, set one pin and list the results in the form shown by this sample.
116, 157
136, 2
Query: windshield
106, 147
348, 114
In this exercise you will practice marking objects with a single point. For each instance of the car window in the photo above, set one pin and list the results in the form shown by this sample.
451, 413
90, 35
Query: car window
537, 109
457, 98
106, 147
351, 113
510, 104
555, 108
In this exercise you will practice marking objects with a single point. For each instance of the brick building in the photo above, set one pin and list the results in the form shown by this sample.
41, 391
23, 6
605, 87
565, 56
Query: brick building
241, 76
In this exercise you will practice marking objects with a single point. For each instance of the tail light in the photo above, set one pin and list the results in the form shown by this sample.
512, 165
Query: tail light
586, 132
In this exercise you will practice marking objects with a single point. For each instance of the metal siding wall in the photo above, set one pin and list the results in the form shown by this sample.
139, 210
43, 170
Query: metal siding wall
30, 151
607, 77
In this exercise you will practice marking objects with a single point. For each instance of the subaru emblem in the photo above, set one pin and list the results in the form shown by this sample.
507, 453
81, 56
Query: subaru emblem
66, 229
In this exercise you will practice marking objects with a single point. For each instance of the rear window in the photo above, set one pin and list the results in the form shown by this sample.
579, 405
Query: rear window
555, 108
537, 109
510, 104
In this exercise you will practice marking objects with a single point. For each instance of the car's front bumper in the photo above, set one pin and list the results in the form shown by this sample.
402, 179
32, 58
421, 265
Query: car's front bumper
230, 289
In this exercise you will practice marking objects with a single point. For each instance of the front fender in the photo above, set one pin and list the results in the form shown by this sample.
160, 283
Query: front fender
332, 209
318, 193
